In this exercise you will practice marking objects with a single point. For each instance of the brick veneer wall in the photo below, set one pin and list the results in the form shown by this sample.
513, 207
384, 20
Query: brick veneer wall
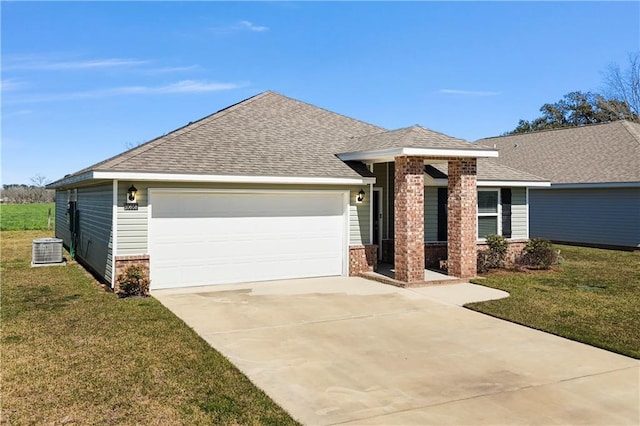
437, 251
514, 250
409, 218
123, 261
362, 259
461, 214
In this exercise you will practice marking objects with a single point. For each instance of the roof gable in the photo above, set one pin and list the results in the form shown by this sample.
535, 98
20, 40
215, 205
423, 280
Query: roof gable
266, 135
600, 153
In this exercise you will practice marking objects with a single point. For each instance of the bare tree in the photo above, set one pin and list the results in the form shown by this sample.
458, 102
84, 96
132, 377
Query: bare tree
39, 180
623, 85
34, 193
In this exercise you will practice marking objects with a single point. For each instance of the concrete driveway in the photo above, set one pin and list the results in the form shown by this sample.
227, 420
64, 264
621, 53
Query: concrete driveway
351, 351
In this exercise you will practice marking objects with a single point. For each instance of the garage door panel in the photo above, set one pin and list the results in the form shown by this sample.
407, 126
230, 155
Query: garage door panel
197, 239
241, 205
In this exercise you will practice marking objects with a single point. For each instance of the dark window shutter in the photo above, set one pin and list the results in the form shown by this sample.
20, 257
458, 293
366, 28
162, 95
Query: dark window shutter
505, 196
442, 214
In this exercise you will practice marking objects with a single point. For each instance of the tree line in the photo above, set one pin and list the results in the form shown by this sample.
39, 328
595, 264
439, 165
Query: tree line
620, 101
20, 193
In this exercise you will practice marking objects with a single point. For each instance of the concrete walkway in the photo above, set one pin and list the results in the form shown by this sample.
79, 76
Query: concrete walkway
351, 351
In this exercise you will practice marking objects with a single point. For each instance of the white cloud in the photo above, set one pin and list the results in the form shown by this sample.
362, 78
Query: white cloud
468, 92
35, 63
16, 113
170, 69
239, 26
181, 87
12, 84
184, 86
250, 26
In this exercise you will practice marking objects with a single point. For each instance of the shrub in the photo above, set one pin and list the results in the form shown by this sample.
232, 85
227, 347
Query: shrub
539, 254
133, 281
494, 256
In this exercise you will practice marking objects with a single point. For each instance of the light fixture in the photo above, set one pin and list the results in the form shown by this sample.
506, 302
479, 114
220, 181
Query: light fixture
360, 197
131, 194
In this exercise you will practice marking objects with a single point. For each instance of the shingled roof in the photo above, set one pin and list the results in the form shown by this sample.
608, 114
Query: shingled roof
599, 153
488, 170
408, 137
273, 136
266, 135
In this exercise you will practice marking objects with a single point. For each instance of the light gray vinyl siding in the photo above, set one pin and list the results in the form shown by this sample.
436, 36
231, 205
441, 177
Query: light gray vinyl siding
607, 216
519, 213
430, 213
359, 218
61, 223
133, 225
95, 228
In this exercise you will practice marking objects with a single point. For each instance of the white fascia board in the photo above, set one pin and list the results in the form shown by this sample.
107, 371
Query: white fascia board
70, 180
385, 155
514, 183
495, 183
594, 185
175, 177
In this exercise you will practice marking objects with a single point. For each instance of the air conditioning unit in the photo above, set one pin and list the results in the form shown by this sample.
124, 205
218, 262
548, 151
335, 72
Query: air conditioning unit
46, 251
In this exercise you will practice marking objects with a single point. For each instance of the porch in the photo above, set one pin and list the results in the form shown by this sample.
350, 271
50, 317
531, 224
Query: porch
385, 273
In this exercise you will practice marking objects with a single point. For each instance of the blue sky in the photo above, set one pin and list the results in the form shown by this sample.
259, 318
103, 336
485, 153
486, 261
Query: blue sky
83, 81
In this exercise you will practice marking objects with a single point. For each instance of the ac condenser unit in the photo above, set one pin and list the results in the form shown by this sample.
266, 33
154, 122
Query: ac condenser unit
46, 250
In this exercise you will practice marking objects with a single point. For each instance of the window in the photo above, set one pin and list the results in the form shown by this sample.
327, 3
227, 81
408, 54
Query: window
488, 202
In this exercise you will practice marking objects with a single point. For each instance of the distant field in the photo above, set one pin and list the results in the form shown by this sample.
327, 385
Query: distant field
19, 217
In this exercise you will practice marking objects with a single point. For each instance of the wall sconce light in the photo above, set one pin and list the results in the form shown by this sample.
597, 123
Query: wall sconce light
131, 194
360, 197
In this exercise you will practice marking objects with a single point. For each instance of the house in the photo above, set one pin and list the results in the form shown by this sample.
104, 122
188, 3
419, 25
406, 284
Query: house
274, 188
594, 197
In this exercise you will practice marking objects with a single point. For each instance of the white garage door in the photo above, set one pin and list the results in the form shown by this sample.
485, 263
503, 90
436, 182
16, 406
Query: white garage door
201, 238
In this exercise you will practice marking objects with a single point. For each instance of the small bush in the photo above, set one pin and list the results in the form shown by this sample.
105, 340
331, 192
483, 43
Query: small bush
494, 256
539, 254
133, 281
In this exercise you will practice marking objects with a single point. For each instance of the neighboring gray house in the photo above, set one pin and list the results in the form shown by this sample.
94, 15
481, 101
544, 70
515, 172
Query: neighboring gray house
274, 188
594, 198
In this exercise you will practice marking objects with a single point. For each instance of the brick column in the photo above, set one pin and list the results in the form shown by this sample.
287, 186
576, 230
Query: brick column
461, 226
409, 219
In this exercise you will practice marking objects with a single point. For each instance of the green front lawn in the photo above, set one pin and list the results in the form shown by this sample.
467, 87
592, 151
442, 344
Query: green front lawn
73, 353
593, 296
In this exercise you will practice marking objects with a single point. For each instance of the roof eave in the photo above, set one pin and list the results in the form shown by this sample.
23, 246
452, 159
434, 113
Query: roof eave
178, 177
385, 155
499, 183
595, 185
72, 180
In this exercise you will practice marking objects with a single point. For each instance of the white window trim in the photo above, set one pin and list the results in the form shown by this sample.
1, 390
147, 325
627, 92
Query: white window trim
498, 214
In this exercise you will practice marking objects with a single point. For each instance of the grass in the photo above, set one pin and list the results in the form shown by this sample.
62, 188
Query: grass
592, 297
74, 353
15, 217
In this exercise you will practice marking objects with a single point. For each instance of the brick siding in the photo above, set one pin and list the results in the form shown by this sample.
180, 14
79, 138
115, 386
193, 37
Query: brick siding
362, 259
461, 213
123, 261
409, 218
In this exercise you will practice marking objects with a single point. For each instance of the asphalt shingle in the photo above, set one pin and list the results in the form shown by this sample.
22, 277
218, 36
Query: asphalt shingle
490, 170
598, 153
273, 135
408, 137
